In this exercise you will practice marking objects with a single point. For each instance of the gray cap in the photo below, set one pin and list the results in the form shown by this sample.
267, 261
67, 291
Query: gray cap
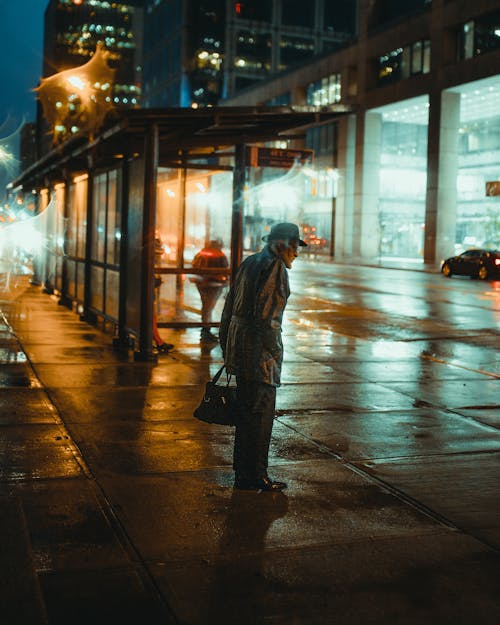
285, 232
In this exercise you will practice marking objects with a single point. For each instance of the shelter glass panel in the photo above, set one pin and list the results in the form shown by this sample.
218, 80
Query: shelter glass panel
112, 293
58, 241
194, 207
96, 288
98, 218
303, 194
113, 229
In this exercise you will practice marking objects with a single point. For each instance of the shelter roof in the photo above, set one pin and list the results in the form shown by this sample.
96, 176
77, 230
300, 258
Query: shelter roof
184, 134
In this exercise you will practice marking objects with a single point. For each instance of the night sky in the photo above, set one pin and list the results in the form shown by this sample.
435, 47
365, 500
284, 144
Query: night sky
21, 41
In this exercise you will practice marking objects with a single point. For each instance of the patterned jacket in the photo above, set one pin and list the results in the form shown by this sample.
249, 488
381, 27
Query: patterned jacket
250, 331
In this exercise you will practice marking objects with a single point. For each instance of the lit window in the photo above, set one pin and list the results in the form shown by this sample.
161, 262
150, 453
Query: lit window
325, 91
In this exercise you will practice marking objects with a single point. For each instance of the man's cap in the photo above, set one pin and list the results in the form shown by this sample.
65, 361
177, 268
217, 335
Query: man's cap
284, 232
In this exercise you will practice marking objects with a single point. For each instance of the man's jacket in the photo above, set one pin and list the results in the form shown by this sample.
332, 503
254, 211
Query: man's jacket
250, 332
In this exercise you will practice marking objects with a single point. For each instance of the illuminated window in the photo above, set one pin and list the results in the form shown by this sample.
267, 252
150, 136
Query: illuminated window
404, 62
480, 36
324, 91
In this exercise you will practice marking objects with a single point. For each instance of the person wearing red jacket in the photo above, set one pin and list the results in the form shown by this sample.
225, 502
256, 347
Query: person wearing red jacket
211, 284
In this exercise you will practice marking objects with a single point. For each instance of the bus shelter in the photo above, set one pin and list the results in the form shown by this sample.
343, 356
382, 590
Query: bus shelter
123, 214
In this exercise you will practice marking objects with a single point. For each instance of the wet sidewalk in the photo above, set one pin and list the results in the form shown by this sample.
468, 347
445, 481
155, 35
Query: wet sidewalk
118, 507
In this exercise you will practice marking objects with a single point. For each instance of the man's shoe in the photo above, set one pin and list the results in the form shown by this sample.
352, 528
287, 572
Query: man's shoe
265, 484
206, 335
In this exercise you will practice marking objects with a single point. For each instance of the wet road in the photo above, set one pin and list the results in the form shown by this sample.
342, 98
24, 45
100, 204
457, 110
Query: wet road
118, 506
454, 320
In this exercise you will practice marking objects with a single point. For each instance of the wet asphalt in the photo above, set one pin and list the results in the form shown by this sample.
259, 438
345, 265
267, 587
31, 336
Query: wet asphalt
118, 506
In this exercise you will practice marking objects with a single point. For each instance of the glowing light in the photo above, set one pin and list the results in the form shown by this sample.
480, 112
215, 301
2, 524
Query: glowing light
77, 100
24, 243
77, 82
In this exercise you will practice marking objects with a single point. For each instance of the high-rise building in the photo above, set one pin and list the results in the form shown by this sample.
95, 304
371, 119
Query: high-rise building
198, 51
74, 28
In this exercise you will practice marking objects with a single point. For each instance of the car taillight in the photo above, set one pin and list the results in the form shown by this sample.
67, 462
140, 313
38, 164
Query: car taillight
497, 261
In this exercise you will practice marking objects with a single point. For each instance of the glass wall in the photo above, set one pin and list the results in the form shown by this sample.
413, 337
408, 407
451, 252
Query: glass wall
76, 238
194, 207
55, 239
105, 244
403, 178
478, 215
303, 194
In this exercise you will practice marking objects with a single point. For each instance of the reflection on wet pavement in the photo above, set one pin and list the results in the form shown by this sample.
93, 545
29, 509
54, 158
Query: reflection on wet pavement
387, 432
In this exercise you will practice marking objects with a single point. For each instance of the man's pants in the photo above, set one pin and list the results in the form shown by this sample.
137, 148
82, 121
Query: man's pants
253, 431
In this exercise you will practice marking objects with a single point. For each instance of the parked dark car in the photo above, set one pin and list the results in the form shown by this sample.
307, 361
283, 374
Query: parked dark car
477, 263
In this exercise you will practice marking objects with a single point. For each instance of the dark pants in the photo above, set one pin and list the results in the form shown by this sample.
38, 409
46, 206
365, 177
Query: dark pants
209, 296
253, 432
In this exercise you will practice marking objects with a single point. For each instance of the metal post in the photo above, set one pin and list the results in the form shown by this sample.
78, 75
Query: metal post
151, 149
86, 316
121, 341
239, 177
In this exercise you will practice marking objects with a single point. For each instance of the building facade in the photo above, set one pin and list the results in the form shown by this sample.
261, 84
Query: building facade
196, 51
408, 170
73, 32
74, 28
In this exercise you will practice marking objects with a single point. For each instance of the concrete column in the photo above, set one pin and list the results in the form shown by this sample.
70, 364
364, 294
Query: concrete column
442, 170
366, 233
345, 186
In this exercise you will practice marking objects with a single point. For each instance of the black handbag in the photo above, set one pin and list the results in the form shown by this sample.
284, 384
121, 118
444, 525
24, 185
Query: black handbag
219, 404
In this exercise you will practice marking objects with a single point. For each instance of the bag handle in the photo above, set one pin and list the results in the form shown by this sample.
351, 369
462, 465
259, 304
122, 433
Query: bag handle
216, 377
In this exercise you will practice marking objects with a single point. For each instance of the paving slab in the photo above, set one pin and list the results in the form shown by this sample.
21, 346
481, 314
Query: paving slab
406, 371
65, 354
20, 594
68, 526
175, 445
452, 393
326, 503
463, 488
437, 579
355, 396
101, 597
115, 403
36, 451
417, 432
26, 405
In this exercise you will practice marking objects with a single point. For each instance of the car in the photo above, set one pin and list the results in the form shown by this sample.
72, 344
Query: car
476, 263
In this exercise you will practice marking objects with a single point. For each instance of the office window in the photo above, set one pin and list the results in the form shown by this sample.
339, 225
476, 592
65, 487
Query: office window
340, 16
324, 91
480, 36
253, 51
297, 13
404, 62
294, 49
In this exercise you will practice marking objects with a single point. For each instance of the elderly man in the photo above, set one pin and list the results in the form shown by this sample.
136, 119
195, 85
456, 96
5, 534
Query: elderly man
250, 337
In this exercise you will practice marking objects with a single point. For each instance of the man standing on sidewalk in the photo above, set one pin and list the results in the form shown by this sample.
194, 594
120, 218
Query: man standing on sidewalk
250, 337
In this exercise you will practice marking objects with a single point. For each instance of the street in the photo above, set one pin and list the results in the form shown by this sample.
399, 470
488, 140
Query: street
387, 433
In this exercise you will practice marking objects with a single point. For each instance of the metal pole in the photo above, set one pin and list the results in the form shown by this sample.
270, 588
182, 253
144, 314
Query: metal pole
239, 176
151, 149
